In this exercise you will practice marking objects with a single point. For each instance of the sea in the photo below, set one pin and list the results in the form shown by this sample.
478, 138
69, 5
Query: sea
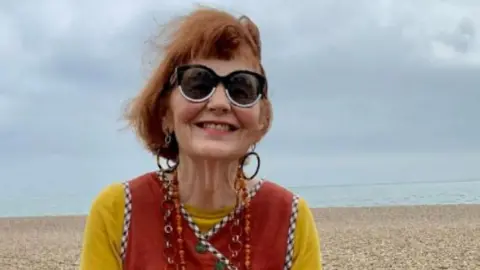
345, 195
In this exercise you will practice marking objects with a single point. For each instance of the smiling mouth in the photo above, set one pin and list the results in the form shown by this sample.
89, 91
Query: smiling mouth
217, 126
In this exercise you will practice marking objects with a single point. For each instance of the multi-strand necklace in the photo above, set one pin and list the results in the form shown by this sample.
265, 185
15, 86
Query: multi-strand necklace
172, 213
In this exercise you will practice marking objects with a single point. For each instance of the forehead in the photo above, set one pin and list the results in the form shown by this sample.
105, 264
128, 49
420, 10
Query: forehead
224, 67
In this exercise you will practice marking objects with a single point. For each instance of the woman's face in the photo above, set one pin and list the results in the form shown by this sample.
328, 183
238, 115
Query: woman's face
215, 128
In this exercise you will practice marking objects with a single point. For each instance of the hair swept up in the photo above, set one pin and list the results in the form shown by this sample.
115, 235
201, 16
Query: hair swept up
205, 33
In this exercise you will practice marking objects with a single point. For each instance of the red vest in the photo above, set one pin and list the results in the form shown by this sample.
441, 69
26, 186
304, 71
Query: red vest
271, 230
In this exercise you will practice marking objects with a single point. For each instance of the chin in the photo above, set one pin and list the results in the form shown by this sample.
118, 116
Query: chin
217, 150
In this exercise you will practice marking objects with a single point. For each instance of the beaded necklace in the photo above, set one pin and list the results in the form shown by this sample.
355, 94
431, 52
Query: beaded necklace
172, 211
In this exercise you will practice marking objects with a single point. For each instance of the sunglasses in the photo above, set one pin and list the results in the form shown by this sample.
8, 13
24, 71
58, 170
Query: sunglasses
198, 83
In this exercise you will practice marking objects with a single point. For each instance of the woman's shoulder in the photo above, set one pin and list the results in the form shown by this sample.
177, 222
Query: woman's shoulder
110, 198
104, 227
273, 188
268, 192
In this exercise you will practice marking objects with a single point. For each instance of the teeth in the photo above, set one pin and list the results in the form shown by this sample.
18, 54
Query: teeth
221, 127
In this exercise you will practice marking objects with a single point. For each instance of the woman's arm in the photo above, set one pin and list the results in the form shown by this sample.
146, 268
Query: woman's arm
306, 249
103, 231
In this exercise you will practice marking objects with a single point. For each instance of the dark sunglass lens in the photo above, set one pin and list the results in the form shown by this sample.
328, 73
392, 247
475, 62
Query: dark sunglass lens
197, 83
244, 88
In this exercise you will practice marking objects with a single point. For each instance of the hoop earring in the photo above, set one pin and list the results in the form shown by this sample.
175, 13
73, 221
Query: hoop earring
242, 164
166, 144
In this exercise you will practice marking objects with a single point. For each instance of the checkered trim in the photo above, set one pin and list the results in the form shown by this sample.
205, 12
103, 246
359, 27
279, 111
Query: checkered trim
207, 235
291, 234
218, 254
203, 237
126, 219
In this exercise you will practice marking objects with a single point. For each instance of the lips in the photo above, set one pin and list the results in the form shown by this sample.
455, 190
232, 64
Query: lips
217, 126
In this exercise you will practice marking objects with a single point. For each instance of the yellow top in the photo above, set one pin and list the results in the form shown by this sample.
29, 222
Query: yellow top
104, 228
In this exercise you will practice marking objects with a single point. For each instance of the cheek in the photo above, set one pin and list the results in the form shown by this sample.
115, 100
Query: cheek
249, 118
184, 112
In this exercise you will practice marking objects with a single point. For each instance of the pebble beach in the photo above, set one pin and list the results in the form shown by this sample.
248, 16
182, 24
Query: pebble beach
402, 237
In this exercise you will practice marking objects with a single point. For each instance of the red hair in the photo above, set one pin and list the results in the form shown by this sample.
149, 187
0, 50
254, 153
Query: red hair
205, 33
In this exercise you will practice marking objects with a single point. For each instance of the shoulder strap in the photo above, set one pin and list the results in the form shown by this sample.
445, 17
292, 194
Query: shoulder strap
279, 205
291, 233
135, 185
126, 219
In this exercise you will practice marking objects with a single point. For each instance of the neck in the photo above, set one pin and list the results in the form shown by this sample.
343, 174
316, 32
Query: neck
207, 183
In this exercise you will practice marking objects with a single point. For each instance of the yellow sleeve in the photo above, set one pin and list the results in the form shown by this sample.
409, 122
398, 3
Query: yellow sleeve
103, 231
306, 248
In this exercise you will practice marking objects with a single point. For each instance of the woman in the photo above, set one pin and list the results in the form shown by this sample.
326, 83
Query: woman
204, 110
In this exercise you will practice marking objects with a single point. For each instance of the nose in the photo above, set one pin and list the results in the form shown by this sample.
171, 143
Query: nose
219, 103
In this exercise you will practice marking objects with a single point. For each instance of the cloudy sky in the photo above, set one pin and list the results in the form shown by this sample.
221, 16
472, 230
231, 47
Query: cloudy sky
363, 91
